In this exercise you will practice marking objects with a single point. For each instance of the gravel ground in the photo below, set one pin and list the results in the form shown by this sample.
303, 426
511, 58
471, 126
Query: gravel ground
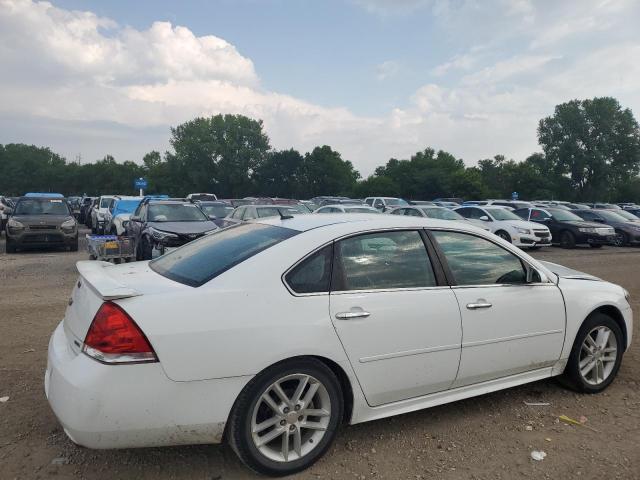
488, 437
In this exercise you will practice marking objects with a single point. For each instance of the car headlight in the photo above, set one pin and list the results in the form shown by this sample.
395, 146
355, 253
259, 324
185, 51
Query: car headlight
523, 231
159, 235
587, 230
14, 224
68, 225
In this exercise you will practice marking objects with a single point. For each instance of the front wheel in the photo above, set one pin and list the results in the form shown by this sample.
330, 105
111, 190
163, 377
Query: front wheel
286, 418
504, 235
621, 239
567, 240
596, 355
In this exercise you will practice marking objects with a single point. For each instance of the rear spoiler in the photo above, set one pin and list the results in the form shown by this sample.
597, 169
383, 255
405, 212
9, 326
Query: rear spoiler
95, 274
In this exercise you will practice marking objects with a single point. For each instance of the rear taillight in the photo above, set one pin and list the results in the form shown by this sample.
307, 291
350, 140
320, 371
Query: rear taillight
114, 337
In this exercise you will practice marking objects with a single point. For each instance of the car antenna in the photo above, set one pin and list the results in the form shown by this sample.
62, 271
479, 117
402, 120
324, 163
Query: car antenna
283, 216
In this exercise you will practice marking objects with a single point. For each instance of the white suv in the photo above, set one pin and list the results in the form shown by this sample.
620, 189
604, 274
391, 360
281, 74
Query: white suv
508, 226
99, 214
385, 203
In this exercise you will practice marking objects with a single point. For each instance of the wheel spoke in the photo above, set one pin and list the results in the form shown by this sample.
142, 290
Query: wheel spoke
587, 368
316, 412
285, 446
609, 359
266, 398
275, 433
313, 388
312, 425
585, 361
301, 386
297, 442
603, 337
599, 371
281, 395
592, 343
609, 350
266, 424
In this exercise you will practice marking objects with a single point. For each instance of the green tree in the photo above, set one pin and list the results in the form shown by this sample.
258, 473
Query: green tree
596, 143
326, 173
281, 174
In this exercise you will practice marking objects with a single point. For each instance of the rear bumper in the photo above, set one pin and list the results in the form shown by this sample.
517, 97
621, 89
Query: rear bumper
124, 406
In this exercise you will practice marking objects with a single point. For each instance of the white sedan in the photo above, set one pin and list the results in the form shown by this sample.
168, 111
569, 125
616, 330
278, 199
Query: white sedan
508, 225
272, 334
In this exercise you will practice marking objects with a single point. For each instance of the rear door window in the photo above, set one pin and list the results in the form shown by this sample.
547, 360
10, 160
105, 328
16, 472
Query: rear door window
313, 274
382, 260
204, 259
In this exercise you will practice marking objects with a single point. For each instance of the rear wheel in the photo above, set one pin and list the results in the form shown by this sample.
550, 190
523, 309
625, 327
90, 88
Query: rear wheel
567, 240
286, 417
504, 235
596, 355
621, 239
145, 249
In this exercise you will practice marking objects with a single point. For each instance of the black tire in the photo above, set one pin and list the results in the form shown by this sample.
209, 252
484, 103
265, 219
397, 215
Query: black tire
622, 239
238, 431
567, 239
10, 246
92, 257
504, 235
572, 377
596, 245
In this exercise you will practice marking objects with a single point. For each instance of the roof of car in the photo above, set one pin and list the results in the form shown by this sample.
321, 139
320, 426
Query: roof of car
303, 223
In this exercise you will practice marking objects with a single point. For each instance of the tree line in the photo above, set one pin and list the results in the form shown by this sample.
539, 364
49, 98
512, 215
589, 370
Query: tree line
590, 151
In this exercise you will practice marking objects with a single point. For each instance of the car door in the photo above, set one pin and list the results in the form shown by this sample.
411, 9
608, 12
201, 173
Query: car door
400, 327
543, 217
509, 326
473, 214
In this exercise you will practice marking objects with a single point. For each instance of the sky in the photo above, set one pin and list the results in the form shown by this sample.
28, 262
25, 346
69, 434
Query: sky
374, 79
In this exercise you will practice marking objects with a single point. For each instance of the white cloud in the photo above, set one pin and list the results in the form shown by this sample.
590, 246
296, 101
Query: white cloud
387, 70
84, 84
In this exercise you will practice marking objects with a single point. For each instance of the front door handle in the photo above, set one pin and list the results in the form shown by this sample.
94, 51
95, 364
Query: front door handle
479, 304
351, 315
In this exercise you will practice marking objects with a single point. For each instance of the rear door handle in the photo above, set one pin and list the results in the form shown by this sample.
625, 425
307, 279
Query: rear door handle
351, 315
479, 304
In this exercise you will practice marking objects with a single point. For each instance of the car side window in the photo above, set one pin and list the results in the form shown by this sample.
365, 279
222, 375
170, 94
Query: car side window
369, 201
588, 216
313, 274
248, 214
471, 212
412, 212
382, 260
399, 211
378, 204
143, 213
477, 261
539, 214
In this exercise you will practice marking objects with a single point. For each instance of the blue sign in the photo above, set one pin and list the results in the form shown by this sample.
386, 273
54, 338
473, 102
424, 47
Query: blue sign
140, 183
514, 196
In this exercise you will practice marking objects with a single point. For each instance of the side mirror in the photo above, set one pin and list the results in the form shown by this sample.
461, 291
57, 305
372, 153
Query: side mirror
484, 218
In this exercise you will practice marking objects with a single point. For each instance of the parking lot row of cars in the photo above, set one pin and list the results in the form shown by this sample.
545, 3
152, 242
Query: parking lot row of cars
157, 223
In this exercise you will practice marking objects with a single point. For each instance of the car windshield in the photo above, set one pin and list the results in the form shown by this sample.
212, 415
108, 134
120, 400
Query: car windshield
360, 210
42, 206
503, 214
564, 215
176, 212
218, 211
125, 206
395, 201
611, 216
627, 215
204, 259
442, 214
275, 211
104, 202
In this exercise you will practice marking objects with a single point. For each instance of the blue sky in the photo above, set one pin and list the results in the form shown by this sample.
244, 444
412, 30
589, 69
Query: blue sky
372, 78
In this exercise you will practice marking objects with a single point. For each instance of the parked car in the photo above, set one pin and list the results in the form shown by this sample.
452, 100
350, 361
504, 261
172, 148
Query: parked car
434, 211
300, 341
88, 221
160, 225
339, 201
209, 197
577, 206
39, 221
510, 204
6, 207
347, 209
444, 204
455, 200
420, 202
119, 212
508, 226
634, 211
246, 213
605, 206
567, 228
627, 232
627, 215
385, 204
217, 211
85, 209
99, 213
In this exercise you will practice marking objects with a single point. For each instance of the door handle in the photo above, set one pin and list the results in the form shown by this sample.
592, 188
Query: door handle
479, 304
351, 315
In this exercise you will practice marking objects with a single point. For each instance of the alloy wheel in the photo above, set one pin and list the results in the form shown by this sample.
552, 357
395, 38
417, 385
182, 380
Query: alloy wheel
598, 355
290, 418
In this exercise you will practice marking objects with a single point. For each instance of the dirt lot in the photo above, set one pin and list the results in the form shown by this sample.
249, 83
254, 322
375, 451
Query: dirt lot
482, 438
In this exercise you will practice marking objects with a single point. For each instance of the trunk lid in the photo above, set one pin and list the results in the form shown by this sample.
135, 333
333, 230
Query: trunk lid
100, 282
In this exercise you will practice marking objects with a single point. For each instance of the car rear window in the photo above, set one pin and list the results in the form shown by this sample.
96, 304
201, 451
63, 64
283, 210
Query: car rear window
204, 259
